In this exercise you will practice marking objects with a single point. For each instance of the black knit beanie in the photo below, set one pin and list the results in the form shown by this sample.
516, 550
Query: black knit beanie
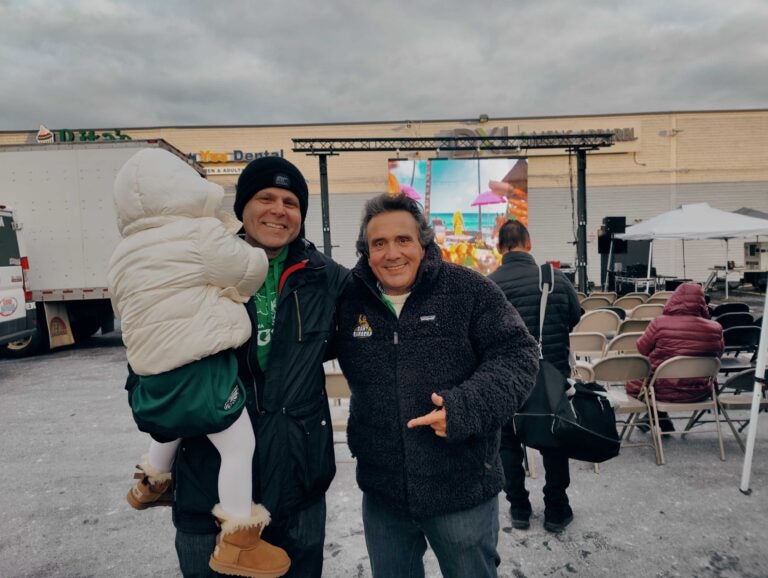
266, 172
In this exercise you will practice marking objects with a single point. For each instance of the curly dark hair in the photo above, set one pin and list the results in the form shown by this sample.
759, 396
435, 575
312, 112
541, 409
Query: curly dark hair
388, 203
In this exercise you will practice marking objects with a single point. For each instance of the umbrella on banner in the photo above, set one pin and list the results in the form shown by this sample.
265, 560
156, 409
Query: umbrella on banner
485, 198
410, 192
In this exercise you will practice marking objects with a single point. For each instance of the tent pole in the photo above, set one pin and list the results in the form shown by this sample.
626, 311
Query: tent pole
684, 277
726, 269
605, 284
762, 352
648, 274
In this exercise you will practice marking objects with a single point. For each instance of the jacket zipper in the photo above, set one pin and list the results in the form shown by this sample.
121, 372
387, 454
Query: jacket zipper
298, 313
256, 388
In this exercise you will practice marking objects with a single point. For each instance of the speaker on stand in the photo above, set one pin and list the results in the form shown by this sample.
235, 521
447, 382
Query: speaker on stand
608, 246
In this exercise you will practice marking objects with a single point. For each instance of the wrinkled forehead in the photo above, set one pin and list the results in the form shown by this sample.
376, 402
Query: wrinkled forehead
392, 225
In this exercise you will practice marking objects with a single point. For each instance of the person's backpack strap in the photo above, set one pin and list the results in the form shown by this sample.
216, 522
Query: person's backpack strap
546, 286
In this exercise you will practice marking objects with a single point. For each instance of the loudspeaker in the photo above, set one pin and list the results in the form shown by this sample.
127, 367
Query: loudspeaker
614, 225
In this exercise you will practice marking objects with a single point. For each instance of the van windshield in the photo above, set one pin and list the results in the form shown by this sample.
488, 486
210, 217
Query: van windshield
9, 245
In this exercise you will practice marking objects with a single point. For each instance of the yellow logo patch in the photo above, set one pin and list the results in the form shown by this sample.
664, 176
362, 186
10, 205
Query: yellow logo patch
363, 329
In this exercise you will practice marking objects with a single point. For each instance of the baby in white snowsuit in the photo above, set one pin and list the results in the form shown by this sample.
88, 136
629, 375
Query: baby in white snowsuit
178, 281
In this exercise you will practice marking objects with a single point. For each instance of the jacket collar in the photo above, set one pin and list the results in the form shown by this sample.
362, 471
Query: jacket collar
302, 262
518, 257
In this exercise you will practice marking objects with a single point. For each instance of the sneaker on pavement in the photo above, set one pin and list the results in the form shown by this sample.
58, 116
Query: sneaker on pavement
555, 521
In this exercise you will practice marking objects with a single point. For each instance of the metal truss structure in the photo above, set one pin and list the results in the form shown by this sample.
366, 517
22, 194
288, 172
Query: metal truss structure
511, 144
578, 143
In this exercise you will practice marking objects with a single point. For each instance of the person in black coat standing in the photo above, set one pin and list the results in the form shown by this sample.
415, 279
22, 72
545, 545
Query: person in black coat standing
518, 278
437, 360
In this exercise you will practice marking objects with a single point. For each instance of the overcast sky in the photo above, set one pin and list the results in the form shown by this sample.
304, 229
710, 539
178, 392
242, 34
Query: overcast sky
114, 63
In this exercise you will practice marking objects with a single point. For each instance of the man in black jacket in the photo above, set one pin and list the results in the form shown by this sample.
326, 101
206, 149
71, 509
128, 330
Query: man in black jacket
518, 277
436, 360
281, 367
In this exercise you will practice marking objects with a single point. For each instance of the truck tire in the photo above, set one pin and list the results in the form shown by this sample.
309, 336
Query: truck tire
87, 317
35, 344
83, 328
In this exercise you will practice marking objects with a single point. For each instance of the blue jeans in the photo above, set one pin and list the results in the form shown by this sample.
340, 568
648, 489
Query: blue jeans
302, 535
463, 542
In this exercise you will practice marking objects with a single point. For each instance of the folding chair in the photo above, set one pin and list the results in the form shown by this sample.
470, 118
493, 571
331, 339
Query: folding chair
642, 295
736, 395
622, 313
614, 373
600, 320
588, 345
727, 320
583, 372
739, 339
633, 325
622, 344
682, 367
610, 295
591, 303
647, 311
581, 296
661, 295
730, 307
628, 302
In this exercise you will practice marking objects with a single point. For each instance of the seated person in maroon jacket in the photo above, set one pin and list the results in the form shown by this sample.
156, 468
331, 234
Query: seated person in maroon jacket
683, 329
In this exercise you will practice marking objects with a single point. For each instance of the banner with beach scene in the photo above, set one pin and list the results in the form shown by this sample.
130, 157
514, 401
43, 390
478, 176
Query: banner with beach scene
466, 201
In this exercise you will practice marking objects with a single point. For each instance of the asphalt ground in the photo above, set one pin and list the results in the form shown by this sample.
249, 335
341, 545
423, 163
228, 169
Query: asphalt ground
69, 446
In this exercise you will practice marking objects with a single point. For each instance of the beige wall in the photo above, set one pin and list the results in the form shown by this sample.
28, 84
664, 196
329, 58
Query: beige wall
670, 148
719, 157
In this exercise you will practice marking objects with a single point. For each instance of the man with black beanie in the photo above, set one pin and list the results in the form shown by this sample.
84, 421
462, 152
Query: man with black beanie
292, 316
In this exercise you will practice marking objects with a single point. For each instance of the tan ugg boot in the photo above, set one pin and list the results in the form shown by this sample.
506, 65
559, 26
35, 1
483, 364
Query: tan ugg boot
152, 489
240, 551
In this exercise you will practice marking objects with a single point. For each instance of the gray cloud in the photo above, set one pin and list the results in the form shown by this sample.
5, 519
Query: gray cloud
104, 63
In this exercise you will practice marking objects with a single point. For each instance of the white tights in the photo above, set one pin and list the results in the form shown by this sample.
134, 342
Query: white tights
235, 445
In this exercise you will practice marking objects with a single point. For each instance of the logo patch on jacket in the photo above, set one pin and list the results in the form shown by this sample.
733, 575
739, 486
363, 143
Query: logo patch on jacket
363, 329
233, 397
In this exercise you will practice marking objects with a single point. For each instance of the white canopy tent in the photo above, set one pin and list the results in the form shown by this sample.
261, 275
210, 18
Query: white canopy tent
700, 221
696, 221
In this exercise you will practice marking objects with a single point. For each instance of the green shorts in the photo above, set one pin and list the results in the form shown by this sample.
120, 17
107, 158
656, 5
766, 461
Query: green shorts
199, 398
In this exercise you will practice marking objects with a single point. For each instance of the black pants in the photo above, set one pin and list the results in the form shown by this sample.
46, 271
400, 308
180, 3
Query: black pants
557, 476
301, 535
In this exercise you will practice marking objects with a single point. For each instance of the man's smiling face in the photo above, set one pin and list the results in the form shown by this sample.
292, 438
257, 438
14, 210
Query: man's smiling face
272, 219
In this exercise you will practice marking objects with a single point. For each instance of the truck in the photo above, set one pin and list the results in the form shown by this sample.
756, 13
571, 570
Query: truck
61, 194
17, 310
756, 264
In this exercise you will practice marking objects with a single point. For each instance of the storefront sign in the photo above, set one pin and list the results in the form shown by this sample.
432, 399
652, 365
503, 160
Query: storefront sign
235, 156
622, 134
67, 135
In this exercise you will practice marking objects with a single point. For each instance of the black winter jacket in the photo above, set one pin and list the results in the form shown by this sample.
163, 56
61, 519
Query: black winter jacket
518, 278
456, 336
294, 460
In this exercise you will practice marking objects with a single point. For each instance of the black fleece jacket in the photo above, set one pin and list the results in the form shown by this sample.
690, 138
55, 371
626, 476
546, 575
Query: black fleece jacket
457, 336
518, 278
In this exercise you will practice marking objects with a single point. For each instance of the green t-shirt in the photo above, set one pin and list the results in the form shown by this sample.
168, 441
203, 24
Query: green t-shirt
265, 301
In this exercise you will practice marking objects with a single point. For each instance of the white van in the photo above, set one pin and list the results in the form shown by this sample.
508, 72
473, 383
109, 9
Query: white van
18, 317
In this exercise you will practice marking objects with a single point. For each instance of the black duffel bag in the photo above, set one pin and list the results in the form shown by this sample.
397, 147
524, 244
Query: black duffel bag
576, 420
582, 426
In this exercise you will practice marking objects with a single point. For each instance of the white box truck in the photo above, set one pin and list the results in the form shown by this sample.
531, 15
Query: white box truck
61, 194
17, 310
